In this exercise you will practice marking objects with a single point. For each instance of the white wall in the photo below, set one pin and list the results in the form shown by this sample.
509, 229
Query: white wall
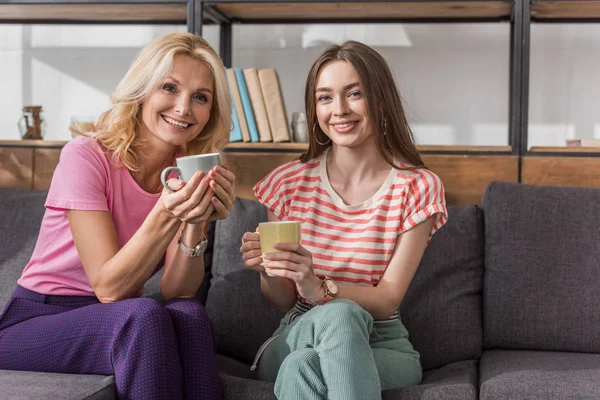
453, 77
70, 70
564, 83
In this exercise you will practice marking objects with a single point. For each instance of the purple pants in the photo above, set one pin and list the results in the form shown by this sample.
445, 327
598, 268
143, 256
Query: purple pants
155, 351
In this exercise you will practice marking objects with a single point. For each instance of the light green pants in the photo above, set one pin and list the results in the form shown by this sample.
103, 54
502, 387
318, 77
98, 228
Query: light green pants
336, 351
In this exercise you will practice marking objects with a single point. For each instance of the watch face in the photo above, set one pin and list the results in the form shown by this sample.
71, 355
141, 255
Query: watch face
331, 286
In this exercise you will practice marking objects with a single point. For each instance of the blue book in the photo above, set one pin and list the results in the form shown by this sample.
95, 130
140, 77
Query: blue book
248, 112
236, 133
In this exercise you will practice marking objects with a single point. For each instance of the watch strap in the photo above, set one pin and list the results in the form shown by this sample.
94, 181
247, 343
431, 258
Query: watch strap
195, 251
328, 294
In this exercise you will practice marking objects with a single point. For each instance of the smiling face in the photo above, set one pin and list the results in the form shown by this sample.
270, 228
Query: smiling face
340, 106
179, 109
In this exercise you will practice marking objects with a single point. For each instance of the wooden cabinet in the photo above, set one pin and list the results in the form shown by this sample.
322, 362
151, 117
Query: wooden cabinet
30, 165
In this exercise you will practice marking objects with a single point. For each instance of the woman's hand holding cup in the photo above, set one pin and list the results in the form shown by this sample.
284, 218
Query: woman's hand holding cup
192, 200
222, 184
204, 192
284, 256
251, 252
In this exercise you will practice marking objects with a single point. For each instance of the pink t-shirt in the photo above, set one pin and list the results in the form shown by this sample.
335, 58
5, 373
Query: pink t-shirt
83, 180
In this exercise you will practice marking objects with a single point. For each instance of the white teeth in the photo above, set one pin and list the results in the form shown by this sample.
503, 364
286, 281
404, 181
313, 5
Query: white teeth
176, 123
345, 125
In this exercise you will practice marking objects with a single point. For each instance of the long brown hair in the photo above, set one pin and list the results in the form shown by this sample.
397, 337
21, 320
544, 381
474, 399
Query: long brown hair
392, 133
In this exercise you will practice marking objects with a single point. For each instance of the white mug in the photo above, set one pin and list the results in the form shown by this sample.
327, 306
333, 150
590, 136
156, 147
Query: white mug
187, 166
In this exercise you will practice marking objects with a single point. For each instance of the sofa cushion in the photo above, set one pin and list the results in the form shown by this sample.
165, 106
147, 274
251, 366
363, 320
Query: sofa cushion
442, 308
231, 366
514, 374
21, 214
542, 268
456, 381
20, 385
235, 388
243, 319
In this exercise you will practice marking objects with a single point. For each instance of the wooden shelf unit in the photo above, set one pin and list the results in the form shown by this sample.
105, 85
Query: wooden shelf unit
565, 9
255, 11
30, 164
116, 12
566, 150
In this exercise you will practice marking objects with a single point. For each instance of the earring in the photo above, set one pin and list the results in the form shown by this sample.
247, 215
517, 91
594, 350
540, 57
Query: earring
317, 140
384, 126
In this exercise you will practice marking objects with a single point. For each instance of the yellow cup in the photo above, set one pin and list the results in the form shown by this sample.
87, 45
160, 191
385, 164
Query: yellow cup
272, 233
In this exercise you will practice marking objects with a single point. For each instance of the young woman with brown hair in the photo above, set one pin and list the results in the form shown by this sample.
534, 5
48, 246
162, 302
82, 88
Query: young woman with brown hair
368, 207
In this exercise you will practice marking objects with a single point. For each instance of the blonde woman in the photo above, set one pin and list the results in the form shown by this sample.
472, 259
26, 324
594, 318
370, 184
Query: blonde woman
368, 208
109, 226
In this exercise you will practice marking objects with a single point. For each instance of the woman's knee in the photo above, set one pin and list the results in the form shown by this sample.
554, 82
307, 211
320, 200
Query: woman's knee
189, 315
186, 306
345, 311
300, 360
145, 313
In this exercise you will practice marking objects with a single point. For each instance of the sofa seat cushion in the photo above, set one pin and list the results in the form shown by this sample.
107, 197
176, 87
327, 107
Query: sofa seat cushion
230, 366
515, 374
457, 381
236, 388
542, 263
20, 385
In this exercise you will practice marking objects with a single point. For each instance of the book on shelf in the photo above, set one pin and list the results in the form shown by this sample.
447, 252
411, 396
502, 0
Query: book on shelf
590, 142
276, 114
236, 134
258, 104
237, 101
246, 104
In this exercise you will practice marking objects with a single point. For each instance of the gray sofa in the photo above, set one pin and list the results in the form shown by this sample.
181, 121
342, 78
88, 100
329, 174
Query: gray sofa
505, 304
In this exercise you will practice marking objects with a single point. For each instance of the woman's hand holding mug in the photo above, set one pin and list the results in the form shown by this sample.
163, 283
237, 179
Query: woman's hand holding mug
192, 200
250, 250
204, 191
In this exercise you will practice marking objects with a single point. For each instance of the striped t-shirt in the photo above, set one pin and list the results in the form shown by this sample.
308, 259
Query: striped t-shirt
352, 244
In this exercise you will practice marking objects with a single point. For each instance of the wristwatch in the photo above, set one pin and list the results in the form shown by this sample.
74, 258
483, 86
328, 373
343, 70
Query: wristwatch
331, 291
196, 251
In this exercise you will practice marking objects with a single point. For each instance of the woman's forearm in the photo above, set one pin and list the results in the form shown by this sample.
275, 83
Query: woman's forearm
281, 292
123, 275
183, 274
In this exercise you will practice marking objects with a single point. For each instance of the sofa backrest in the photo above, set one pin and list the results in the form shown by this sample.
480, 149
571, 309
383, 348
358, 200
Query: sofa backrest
21, 214
542, 260
241, 316
442, 309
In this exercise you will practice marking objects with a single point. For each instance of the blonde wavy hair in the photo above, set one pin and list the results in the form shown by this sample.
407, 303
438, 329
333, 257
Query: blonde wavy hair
117, 128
